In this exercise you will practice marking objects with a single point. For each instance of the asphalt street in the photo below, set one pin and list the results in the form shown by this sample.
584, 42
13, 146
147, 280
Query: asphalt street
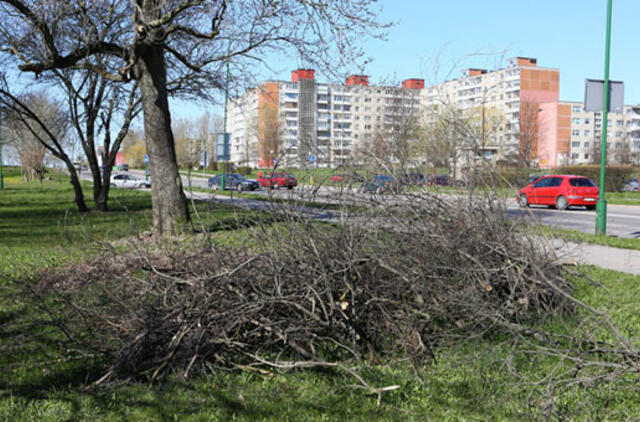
622, 220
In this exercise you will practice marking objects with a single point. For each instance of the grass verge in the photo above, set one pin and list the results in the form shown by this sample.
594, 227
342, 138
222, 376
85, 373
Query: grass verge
467, 381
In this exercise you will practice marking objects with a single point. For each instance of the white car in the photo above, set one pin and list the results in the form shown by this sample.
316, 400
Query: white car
128, 181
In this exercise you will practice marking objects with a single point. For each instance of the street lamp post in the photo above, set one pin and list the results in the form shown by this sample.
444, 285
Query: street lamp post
601, 206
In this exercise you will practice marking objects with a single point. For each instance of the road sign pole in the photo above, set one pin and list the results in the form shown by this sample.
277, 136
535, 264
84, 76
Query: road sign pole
601, 206
1, 175
225, 139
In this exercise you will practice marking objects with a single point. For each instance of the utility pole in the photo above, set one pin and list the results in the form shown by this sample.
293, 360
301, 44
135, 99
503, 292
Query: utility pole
601, 206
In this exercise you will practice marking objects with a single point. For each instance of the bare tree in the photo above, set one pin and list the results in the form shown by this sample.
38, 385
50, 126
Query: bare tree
42, 120
188, 146
98, 108
179, 46
529, 132
25, 144
622, 152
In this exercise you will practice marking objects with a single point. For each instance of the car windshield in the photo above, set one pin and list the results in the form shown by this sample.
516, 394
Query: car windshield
581, 182
289, 175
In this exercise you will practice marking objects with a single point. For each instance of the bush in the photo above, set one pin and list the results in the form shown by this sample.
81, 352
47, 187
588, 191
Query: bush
244, 170
615, 175
500, 178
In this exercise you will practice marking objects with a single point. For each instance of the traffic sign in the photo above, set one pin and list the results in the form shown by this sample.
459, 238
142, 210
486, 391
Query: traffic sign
311, 159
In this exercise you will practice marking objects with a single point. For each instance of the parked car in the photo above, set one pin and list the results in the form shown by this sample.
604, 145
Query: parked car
233, 181
277, 179
338, 178
123, 167
631, 185
415, 178
438, 179
381, 183
128, 181
560, 191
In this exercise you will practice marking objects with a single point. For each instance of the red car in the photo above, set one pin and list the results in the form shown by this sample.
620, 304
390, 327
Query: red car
560, 191
277, 179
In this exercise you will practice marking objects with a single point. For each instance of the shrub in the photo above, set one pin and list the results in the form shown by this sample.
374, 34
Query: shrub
244, 170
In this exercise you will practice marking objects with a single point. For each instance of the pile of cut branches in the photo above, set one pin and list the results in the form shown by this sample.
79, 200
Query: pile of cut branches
394, 280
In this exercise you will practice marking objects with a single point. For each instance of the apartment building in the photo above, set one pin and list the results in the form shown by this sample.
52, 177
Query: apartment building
513, 94
303, 121
570, 135
516, 111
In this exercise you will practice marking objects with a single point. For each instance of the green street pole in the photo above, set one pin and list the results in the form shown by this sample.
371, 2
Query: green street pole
601, 206
225, 140
1, 175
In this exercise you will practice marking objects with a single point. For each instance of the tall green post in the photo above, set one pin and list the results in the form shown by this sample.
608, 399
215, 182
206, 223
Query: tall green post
601, 206
1, 175
225, 139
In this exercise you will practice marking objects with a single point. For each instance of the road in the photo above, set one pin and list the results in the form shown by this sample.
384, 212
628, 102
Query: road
622, 220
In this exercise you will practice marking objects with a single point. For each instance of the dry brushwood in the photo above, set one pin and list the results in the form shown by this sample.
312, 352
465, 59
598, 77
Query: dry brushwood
390, 280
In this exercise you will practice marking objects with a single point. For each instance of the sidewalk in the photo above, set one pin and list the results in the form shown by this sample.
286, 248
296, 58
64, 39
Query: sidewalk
623, 260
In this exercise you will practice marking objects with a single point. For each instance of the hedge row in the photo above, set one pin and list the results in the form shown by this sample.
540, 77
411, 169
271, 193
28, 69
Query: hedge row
519, 177
615, 175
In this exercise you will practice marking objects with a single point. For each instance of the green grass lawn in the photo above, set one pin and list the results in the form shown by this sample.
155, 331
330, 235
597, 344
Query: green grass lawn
467, 381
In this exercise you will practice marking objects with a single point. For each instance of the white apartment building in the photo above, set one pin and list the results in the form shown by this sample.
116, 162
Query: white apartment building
623, 135
512, 94
321, 124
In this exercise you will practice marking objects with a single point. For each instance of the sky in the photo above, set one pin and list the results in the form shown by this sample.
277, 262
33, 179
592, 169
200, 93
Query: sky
568, 35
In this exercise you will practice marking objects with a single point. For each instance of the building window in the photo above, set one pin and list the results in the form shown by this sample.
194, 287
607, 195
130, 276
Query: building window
577, 109
586, 156
367, 100
587, 133
576, 120
619, 135
574, 156
575, 144
586, 144
587, 121
575, 132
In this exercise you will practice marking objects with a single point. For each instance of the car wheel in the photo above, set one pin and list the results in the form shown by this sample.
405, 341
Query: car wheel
113, 185
277, 186
142, 185
591, 207
523, 201
562, 203
290, 187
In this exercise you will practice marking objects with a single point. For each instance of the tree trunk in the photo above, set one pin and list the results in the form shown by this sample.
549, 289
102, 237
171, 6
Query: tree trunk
170, 210
77, 187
